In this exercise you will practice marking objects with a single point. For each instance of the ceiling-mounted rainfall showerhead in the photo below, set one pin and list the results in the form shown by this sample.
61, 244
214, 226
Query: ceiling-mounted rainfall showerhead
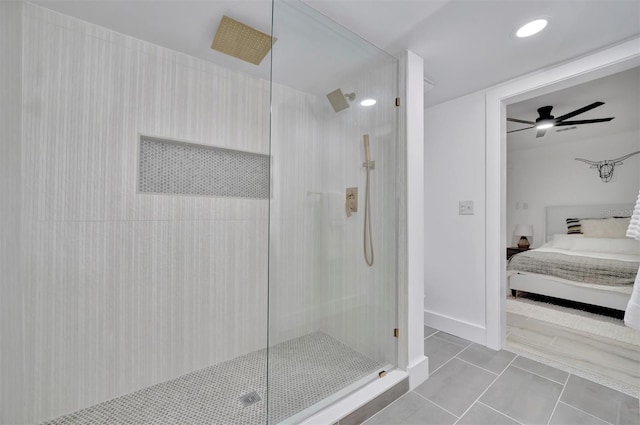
241, 41
338, 99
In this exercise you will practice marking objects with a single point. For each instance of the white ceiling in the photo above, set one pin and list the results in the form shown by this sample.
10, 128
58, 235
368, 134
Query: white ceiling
467, 45
620, 93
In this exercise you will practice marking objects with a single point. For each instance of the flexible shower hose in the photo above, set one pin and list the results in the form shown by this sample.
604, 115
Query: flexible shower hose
367, 221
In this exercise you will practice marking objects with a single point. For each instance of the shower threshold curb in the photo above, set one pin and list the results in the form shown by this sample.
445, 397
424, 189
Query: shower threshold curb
352, 402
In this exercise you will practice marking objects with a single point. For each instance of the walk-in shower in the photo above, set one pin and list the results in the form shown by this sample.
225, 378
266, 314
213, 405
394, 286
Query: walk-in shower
185, 256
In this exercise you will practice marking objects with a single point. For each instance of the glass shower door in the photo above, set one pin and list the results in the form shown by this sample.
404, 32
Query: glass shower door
331, 314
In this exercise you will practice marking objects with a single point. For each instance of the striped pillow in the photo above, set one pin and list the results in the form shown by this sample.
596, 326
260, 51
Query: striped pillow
573, 226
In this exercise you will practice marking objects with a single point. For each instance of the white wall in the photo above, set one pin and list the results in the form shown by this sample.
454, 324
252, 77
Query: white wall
411, 223
11, 289
454, 244
464, 159
293, 250
549, 175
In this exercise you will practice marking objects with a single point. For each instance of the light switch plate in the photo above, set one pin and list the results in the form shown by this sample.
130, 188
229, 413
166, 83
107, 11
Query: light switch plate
465, 208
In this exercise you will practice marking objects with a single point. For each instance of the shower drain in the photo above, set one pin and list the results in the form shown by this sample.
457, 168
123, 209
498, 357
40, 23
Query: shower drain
249, 399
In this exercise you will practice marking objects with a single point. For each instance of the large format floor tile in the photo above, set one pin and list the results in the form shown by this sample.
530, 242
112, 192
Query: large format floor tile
609, 405
456, 386
567, 415
528, 398
486, 358
412, 409
526, 392
461, 342
541, 369
429, 331
479, 414
439, 351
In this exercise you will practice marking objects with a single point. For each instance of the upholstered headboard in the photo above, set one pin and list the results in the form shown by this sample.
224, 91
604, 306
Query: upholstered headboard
556, 216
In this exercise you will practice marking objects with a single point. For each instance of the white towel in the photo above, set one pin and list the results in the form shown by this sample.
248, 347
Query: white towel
632, 313
634, 225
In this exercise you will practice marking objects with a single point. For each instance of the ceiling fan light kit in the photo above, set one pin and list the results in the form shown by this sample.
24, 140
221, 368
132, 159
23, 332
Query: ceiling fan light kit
545, 120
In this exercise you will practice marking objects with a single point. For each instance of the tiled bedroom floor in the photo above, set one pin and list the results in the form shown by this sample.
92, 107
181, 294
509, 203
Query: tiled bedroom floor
471, 384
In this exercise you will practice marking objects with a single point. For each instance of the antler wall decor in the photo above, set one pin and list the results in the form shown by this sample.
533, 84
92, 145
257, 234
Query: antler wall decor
606, 167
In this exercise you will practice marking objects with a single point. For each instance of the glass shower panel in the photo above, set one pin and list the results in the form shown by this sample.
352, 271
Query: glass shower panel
331, 315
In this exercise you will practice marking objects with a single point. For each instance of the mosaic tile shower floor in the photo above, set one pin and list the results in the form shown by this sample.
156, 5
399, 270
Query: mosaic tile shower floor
303, 371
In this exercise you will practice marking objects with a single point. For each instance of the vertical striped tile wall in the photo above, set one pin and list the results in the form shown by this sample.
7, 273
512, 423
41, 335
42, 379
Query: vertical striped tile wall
11, 290
296, 144
124, 290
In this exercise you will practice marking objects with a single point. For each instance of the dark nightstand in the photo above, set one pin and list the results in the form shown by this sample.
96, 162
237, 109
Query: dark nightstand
511, 251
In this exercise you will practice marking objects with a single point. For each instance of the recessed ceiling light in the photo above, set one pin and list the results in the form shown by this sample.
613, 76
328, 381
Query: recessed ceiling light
532, 28
368, 102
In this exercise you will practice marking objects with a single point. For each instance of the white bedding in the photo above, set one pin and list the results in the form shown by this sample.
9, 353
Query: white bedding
619, 289
593, 254
622, 249
577, 245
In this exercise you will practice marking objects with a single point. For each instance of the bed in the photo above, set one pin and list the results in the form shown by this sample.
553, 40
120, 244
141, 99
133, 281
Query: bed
597, 267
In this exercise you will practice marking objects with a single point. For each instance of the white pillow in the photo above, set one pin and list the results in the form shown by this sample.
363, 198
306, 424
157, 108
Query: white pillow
565, 236
604, 227
608, 245
564, 241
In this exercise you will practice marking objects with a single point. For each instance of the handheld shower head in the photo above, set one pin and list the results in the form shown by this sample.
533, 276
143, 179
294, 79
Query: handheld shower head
367, 150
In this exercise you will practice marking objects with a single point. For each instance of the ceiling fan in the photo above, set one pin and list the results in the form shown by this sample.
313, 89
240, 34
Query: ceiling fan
545, 120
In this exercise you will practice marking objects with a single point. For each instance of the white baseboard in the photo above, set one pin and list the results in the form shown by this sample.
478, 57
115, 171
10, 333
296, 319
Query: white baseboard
459, 328
418, 372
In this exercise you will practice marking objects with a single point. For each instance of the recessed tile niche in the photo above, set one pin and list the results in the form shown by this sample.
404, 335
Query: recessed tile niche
171, 167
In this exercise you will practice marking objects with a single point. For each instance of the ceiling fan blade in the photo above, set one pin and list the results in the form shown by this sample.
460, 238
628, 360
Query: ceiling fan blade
522, 121
579, 111
584, 121
565, 129
520, 129
540, 133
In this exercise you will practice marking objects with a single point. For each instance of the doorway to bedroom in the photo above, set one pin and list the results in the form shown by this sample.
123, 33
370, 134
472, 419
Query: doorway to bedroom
570, 269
